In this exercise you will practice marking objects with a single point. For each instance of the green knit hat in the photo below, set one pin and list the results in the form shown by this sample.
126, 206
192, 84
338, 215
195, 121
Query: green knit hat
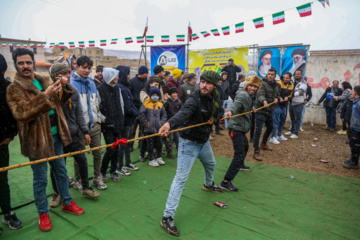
211, 77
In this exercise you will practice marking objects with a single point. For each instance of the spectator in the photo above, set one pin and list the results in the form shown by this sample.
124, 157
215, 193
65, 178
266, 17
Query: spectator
330, 104
174, 81
225, 86
308, 98
160, 73
347, 91
43, 131
236, 86
153, 82
345, 116
152, 117
99, 79
185, 78
231, 69
188, 88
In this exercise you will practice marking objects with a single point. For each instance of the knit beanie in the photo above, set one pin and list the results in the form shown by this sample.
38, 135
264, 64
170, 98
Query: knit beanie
213, 78
57, 69
154, 90
158, 69
176, 73
143, 70
109, 74
173, 90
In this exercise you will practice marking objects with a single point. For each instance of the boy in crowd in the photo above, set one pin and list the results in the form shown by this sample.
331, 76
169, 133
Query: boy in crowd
152, 117
172, 106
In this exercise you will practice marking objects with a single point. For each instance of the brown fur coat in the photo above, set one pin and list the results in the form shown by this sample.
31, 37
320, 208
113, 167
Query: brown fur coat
30, 108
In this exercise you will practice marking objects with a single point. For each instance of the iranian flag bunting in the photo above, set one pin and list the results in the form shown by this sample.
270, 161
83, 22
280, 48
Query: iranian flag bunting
215, 32
278, 17
32, 45
3, 44
52, 45
91, 43
103, 43
61, 45
328, 2
139, 39
259, 22
226, 30
38, 44
72, 44
205, 34
322, 2
149, 38
25, 45
165, 38
11, 44
239, 27
194, 36
114, 41
180, 38
128, 40
43, 45
189, 33
18, 45
304, 10
81, 44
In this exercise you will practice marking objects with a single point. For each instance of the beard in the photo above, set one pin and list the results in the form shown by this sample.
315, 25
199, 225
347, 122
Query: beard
296, 65
263, 69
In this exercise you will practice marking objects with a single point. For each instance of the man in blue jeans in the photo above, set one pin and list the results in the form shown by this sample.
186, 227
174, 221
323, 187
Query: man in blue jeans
203, 105
35, 103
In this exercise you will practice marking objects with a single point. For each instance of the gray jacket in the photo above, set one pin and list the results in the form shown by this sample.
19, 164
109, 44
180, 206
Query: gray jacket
226, 89
267, 92
299, 93
242, 103
186, 90
74, 114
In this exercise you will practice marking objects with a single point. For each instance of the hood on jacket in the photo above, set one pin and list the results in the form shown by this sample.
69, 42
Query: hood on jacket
110, 74
123, 72
76, 77
3, 67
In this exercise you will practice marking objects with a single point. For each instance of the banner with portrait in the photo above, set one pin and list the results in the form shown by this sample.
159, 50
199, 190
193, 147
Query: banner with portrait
269, 58
294, 58
169, 57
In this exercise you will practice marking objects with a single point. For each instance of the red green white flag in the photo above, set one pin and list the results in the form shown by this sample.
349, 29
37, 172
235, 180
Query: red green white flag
91, 43
72, 44
194, 36
25, 45
304, 10
139, 39
10, 44
205, 34
215, 32
322, 2
239, 27
38, 44
52, 45
180, 38
81, 44
128, 40
226, 30
3, 44
149, 38
61, 45
114, 41
259, 22
165, 38
328, 2
32, 45
278, 17
18, 45
103, 43
43, 45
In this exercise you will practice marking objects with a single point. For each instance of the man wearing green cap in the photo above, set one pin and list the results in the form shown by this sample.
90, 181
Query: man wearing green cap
202, 106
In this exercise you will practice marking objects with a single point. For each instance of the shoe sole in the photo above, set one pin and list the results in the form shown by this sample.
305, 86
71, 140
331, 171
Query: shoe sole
244, 169
94, 197
132, 169
98, 187
257, 159
72, 212
229, 190
168, 232
11, 227
206, 189
161, 163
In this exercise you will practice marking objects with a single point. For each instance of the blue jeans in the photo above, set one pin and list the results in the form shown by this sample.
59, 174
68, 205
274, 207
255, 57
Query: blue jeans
302, 116
279, 118
40, 179
330, 117
188, 152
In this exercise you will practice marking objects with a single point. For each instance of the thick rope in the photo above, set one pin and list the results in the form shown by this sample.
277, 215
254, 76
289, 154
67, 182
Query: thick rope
121, 141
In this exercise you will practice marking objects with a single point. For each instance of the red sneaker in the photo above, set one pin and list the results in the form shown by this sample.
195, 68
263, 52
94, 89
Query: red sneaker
73, 208
44, 222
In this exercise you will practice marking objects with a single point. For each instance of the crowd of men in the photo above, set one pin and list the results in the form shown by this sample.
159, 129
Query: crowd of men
70, 110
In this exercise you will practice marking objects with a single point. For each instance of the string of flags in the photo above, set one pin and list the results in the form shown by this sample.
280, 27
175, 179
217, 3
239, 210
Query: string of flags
279, 17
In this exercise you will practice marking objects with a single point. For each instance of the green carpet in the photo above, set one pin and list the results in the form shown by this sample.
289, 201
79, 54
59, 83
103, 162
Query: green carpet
270, 205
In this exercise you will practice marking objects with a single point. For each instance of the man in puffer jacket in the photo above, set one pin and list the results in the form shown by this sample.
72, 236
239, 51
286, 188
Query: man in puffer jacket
152, 117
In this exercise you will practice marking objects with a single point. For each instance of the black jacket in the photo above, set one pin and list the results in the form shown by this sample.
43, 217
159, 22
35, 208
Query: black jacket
231, 70
131, 112
136, 85
8, 125
346, 110
331, 102
308, 93
267, 92
197, 109
234, 88
172, 107
110, 107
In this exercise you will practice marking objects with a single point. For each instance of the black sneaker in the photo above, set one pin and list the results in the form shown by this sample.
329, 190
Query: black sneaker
348, 161
213, 188
168, 224
104, 177
244, 168
12, 221
228, 186
115, 177
351, 166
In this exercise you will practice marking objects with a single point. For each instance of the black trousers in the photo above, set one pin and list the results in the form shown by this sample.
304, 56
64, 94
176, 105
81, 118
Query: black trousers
260, 119
252, 129
4, 185
153, 143
125, 150
241, 147
111, 155
80, 159
133, 132
355, 146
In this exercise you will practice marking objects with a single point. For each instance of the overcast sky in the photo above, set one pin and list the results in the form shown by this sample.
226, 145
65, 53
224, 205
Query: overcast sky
334, 27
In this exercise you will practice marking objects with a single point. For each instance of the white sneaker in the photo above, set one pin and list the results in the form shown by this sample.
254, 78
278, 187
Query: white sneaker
153, 163
302, 130
293, 136
274, 140
282, 138
160, 161
288, 133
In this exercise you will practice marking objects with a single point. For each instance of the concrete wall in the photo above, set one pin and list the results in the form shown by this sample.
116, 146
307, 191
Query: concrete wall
321, 71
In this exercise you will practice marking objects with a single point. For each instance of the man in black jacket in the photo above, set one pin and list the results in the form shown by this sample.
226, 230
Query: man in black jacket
8, 130
235, 87
330, 104
202, 106
231, 69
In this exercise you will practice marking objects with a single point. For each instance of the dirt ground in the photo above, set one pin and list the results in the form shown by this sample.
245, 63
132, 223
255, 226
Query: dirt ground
298, 153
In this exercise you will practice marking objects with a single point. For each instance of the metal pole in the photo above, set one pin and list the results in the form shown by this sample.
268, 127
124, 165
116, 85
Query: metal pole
145, 52
187, 52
